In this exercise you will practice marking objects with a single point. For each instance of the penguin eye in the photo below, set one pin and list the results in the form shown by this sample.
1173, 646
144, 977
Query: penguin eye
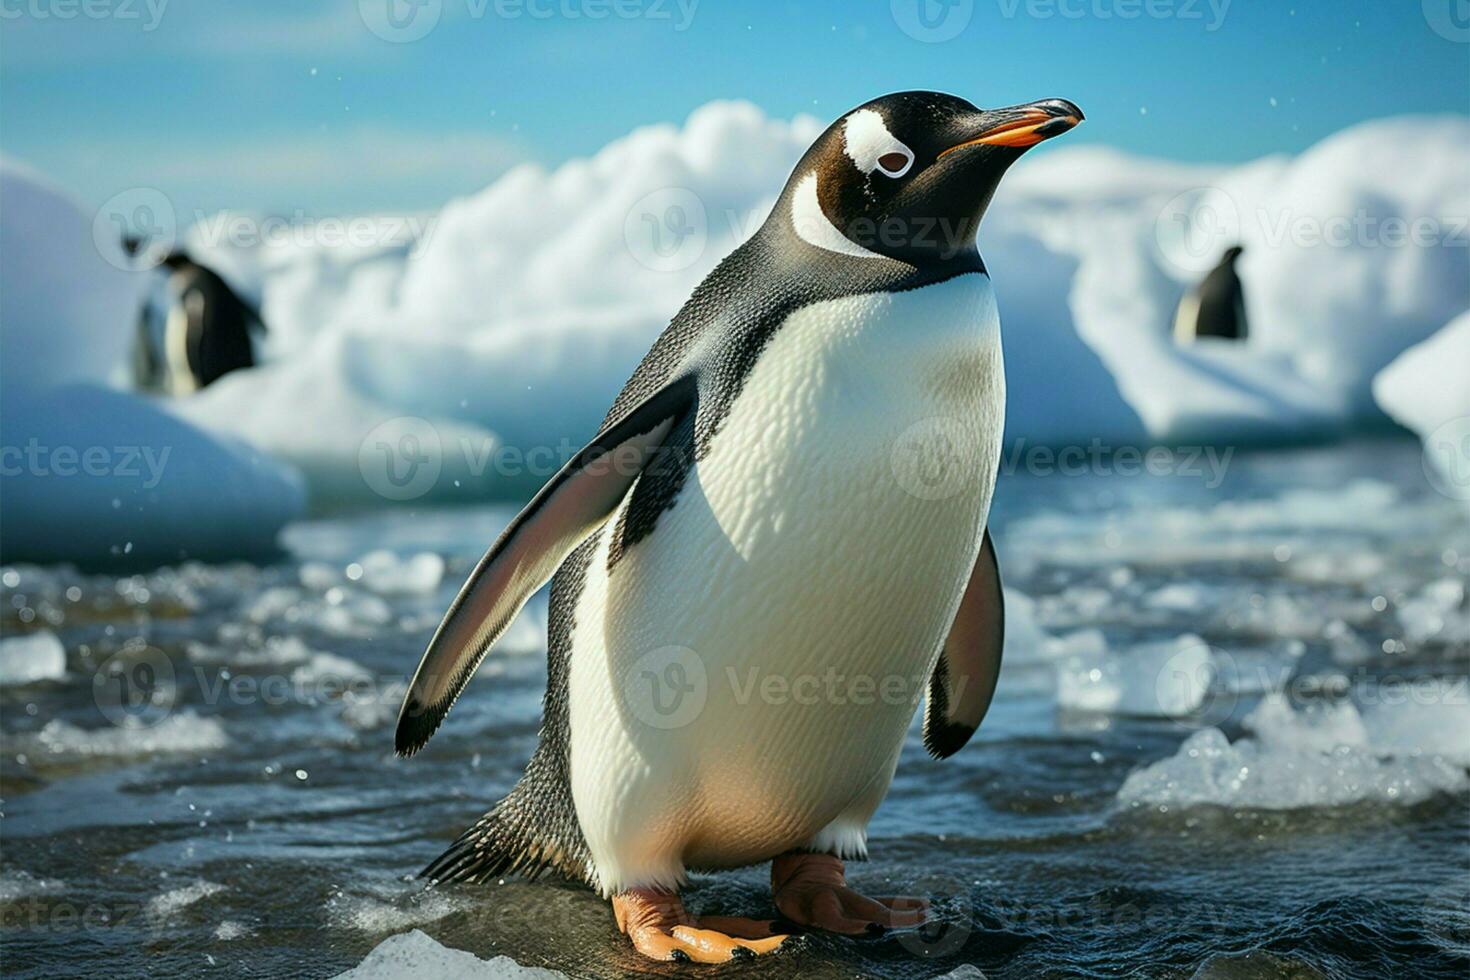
895, 163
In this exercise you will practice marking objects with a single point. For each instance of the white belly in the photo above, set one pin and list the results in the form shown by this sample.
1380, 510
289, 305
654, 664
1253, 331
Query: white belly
743, 681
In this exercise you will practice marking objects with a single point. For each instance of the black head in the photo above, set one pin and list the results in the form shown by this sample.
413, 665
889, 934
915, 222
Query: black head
909, 176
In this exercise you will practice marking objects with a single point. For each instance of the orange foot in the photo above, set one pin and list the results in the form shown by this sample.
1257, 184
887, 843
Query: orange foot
810, 890
661, 929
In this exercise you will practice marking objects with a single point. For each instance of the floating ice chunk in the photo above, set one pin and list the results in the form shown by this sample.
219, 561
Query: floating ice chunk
1438, 614
1322, 756
414, 956
1430, 717
162, 908
1320, 727
327, 672
31, 657
182, 732
230, 929
1180, 597
22, 884
1162, 679
387, 574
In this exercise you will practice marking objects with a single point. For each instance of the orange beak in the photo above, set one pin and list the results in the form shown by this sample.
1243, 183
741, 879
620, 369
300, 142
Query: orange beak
1023, 125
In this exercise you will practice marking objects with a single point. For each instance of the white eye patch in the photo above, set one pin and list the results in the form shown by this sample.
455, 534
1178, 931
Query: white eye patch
873, 148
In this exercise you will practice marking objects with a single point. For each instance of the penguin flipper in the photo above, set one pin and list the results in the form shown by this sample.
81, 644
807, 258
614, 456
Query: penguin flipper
963, 682
566, 511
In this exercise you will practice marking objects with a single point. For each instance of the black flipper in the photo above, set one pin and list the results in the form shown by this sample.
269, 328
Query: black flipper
963, 682
568, 509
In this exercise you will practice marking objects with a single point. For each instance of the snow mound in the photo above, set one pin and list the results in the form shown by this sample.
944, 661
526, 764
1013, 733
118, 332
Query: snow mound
31, 657
1405, 749
509, 324
414, 956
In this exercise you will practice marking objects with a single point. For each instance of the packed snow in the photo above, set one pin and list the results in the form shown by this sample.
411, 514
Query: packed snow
1406, 747
31, 657
95, 475
415, 956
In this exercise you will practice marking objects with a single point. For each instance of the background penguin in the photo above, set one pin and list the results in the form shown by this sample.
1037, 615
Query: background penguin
197, 333
745, 513
1216, 308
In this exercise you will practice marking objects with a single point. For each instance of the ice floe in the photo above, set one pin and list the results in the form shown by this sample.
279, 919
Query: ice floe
184, 731
1168, 678
415, 956
1404, 748
30, 657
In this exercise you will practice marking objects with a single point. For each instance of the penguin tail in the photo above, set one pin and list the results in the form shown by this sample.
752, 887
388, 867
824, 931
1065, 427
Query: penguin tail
505, 842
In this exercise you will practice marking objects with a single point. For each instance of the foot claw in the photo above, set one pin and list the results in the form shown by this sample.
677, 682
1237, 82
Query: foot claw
811, 890
661, 929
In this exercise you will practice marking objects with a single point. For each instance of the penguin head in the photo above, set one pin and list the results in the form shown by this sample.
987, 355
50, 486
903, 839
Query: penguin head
909, 175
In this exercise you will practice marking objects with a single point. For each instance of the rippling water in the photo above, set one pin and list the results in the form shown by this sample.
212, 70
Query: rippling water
202, 781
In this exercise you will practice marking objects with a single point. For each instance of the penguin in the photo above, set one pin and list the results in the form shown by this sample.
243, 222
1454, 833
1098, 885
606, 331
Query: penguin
205, 331
755, 576
1216, 308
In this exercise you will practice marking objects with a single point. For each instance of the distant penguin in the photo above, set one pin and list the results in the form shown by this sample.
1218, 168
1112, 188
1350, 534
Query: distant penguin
198, 332
1215, 308
789, 495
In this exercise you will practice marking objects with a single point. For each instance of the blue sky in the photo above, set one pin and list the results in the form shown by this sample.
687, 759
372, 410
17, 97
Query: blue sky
297, 105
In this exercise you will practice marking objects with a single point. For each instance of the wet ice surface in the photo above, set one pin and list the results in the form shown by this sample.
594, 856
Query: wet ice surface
1231, 737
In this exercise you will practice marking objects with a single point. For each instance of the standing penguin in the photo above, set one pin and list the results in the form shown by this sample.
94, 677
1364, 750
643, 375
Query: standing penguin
756, 516
1216, 308
203, 332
